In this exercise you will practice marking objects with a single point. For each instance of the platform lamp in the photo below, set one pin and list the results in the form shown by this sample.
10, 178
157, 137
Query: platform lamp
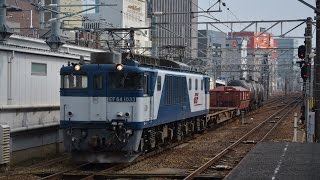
55, 41
5, 31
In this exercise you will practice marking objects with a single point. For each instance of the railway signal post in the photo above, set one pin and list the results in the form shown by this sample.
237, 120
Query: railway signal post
315, 83
306, 70
317, 73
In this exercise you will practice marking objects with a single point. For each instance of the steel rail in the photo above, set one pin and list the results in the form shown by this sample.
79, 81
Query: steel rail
59, 175
226, 150
49, 162
276, 124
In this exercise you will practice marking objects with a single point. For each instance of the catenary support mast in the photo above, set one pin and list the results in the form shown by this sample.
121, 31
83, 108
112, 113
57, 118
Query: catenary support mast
317, 73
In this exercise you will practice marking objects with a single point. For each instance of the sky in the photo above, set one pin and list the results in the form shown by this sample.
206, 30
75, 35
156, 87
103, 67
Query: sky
245, 10
263, 9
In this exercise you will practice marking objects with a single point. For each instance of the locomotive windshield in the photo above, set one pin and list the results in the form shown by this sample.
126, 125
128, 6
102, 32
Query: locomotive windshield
132, 81
74, 81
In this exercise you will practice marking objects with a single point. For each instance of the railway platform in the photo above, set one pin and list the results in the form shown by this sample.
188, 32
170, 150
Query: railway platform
279, 160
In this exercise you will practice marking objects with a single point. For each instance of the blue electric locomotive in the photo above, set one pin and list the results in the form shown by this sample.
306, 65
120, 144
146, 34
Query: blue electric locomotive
122, 105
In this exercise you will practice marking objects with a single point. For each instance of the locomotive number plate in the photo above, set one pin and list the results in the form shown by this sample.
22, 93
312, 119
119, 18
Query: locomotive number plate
122, 99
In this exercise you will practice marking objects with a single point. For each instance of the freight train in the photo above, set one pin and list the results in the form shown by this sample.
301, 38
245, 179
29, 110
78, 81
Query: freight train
226, 97
122, 105
256, 91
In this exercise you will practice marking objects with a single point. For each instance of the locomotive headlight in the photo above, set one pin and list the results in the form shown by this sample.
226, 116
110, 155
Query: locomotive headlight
119, 67
127, 114
119, 114
77, 67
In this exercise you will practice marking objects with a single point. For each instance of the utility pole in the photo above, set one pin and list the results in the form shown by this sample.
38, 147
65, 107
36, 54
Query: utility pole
307, 82
312, 118
154, 34
285, 85
151, 14
41, 13
316, 86
55, 41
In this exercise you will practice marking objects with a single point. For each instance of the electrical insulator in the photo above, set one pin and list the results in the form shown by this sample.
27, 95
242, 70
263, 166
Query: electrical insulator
131, 38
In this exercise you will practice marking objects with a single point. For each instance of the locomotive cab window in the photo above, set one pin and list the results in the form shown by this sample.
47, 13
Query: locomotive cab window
190, 84
196, 84
201, 84
74, 81
145, 85
97, 81
131, 81
159, 83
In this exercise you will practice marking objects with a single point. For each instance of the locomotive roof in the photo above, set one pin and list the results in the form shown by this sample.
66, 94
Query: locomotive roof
109, 67
132, 62
159, 63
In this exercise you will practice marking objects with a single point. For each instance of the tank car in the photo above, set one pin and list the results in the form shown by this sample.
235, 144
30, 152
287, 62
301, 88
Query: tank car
118, 106
256, 91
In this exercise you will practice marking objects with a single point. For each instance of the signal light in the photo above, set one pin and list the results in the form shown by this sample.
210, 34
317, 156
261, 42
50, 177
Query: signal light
302, 52
304, 71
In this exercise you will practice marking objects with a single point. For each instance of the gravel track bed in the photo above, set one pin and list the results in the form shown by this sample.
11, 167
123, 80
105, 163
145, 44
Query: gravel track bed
284, 131
189, 155
194, 153
24, 173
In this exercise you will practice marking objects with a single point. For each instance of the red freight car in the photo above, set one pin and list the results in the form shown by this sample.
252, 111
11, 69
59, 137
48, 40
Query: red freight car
225, 97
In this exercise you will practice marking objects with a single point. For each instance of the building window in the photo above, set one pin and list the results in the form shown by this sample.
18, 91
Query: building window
39, 69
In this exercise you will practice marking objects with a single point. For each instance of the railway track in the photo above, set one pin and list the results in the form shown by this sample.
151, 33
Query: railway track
223, 162
229, 156
34, 167
90, 171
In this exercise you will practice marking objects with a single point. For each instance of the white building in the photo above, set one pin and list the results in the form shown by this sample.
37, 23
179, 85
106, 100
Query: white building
287, 79
174, 39
29, 94
234, 59
125, 14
